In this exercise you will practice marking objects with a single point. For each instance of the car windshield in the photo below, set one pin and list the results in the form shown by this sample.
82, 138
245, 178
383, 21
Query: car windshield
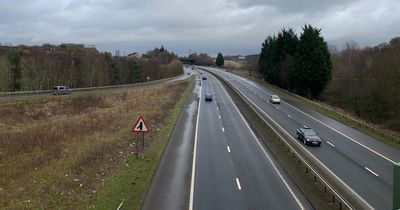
275, 97
309, 132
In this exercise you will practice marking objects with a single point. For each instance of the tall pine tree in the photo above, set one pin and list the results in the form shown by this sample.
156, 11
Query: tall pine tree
220, 60
268, 60
312, 63
14, 57
286, 46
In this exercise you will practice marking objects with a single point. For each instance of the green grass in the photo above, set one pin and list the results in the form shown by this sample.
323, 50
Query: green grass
327, 112
132, 181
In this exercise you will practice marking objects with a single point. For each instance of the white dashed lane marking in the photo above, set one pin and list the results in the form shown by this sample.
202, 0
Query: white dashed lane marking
372, 172
238, 184
330, 143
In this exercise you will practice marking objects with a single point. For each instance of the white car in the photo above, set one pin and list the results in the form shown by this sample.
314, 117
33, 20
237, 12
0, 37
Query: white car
274, 99
61, 90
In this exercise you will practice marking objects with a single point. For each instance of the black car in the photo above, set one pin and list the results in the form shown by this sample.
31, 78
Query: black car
208, 97
308, 136
204, 78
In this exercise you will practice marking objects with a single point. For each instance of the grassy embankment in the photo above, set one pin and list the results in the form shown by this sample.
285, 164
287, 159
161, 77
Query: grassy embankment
329, 112
66, 152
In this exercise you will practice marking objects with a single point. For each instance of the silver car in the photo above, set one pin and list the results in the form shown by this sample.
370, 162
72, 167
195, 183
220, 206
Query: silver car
274, 99
60, 90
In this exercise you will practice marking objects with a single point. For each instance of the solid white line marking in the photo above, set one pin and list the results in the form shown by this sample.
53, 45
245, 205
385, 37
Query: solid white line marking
330, 143
371, 150
371, 171
289, 116
194, 152
219, 116
229, 149
238, 184
280, 127
223, 130
263, 150
120, 205
309, 153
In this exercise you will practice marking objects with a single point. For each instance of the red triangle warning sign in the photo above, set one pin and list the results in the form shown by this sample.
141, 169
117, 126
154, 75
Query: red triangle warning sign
140, 126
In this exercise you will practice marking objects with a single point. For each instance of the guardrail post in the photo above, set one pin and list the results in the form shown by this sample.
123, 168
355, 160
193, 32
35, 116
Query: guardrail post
396, 186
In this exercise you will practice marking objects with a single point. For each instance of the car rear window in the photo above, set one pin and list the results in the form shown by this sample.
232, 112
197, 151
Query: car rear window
309, 133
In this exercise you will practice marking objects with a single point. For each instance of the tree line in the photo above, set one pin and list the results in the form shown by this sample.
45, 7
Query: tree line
203, 59
298, 64
366, 82
362, 81
25, 68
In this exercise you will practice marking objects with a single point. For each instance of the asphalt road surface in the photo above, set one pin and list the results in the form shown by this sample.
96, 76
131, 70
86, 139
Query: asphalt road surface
170, 186
362, 162
231, 168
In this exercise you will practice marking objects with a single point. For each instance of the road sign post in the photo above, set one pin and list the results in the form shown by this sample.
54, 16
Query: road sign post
137, 147
140, 127
396, 186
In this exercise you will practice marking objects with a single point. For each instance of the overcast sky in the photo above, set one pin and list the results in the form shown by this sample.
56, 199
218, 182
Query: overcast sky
230, 27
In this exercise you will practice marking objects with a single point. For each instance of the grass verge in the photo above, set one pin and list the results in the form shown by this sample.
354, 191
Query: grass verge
381, 136
133, 181
59, 152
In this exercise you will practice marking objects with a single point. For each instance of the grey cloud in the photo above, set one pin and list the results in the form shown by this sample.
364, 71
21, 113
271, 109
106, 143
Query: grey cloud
297, 6
232, 27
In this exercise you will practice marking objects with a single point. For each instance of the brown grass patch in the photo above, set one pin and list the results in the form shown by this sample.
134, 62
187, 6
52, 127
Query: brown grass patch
232, 65
60, 152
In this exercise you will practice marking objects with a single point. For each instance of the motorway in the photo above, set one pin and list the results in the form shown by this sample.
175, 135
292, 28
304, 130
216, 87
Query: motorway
362, 162
231, 169
170, 185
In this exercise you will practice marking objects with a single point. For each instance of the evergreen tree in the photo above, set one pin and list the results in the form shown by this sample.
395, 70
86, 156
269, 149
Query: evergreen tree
268, 60
286, 47
135, 72
116, 72
14, 58
261, 59
220, 60
312, 63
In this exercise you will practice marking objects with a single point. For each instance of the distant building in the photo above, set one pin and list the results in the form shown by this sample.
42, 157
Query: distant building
135, 55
